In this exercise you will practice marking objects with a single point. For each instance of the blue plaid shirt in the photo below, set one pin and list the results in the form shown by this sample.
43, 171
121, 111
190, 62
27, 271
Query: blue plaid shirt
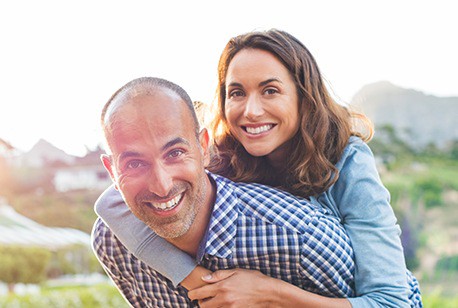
254, 227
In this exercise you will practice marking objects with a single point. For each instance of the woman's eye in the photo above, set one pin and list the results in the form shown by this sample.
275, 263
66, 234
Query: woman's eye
235, 93
271, 91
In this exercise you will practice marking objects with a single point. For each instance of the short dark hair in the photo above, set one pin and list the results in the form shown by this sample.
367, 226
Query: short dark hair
149, 85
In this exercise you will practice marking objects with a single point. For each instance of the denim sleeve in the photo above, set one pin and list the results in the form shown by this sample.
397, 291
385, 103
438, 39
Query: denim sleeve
141, 240
364, 207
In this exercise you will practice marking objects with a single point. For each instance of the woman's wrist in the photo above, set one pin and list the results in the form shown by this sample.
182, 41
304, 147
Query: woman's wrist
194, 279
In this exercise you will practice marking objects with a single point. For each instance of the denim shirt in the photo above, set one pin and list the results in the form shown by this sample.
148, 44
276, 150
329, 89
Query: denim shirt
362, 204
358, 199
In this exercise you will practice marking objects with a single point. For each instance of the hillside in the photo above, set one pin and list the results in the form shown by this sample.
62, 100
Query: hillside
418, 117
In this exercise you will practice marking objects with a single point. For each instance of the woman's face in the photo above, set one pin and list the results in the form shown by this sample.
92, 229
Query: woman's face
261, 105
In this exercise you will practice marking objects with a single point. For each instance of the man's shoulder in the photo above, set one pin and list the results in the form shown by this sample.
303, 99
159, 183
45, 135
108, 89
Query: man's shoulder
100, 229
106, 245
257, 193
269, 204
101, 237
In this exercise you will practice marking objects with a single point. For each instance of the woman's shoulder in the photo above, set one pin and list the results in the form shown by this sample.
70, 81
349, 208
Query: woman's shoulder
357, 149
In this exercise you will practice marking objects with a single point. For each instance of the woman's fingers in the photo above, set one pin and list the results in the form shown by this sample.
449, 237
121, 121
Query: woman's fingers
209, 291
202, 293
218, 276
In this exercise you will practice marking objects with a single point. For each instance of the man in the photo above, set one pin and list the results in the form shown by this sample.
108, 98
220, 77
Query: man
157, 161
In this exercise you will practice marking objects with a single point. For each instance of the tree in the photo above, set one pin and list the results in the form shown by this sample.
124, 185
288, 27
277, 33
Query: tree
388, 145
453, 150
21, 264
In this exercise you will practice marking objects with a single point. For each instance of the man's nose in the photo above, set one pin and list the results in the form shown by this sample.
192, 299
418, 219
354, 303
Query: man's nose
160, 181
253, 107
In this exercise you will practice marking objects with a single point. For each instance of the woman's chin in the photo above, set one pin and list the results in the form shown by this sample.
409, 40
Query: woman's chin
257, 152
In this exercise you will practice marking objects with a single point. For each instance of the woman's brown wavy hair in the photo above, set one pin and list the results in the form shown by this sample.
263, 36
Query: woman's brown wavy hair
325, 126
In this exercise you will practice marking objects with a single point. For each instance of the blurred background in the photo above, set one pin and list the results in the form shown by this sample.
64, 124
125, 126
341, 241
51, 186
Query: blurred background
60, 62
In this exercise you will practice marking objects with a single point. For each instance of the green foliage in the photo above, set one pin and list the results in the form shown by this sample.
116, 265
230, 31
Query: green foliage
102, 295
74, 259
389, 146
429, 190
397, 190
447, 264
453, 150
73, 209
437, 300
19, 264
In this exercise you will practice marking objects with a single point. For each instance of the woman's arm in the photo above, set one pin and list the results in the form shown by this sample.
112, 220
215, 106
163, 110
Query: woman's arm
145, 244
362, 202
248, 288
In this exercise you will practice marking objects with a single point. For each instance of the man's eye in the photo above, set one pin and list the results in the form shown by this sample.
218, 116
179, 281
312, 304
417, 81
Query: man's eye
175, 153
134, 164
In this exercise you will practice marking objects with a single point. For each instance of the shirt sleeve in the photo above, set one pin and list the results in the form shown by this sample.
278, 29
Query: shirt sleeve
327, 257
102, 245
363, 203
146, 245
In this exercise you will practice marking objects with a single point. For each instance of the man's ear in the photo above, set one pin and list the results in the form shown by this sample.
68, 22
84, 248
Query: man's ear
106, 161
204, 140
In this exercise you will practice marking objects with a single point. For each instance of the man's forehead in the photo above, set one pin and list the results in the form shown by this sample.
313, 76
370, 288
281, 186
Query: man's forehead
158, 115
135, 97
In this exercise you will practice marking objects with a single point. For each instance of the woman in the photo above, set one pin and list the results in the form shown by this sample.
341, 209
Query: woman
276, 124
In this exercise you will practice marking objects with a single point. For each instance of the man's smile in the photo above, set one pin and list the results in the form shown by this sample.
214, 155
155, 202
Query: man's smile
166, 206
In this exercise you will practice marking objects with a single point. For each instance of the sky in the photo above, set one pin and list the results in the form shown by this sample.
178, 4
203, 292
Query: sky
60, 61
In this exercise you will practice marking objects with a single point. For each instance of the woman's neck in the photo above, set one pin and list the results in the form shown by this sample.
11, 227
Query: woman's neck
277, 159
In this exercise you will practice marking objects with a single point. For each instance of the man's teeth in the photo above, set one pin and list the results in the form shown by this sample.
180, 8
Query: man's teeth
167, 205
259, 129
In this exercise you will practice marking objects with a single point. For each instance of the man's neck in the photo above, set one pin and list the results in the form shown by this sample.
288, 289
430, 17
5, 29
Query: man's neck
189, 242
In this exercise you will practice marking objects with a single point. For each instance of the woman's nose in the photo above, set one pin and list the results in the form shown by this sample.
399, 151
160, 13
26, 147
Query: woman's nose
253, 107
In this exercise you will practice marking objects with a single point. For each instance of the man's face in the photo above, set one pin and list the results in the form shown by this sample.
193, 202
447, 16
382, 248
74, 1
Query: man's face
157, 162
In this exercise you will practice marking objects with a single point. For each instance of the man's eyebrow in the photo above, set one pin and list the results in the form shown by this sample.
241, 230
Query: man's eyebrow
173, 142
128, 154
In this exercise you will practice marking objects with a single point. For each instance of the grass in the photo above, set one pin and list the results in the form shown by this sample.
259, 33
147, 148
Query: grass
101, 295
437, 300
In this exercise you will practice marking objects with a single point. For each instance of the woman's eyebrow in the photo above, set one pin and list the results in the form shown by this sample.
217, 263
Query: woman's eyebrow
263, 83
235, 84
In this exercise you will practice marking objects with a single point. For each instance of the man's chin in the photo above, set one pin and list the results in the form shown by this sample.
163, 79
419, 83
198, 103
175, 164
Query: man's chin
170, 231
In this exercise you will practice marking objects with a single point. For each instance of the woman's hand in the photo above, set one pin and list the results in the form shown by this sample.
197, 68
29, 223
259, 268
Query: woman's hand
235, 288
194, 279
250, 288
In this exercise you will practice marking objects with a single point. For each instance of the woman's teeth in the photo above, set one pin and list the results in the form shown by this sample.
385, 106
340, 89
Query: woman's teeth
259, 129
167, 205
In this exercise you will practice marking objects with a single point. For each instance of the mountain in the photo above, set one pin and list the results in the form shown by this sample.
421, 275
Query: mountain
419, 118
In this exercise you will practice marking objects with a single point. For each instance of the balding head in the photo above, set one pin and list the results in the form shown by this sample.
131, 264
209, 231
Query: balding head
143, 86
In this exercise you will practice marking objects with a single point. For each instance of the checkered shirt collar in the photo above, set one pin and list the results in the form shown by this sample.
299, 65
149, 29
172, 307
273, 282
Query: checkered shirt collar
220, 237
